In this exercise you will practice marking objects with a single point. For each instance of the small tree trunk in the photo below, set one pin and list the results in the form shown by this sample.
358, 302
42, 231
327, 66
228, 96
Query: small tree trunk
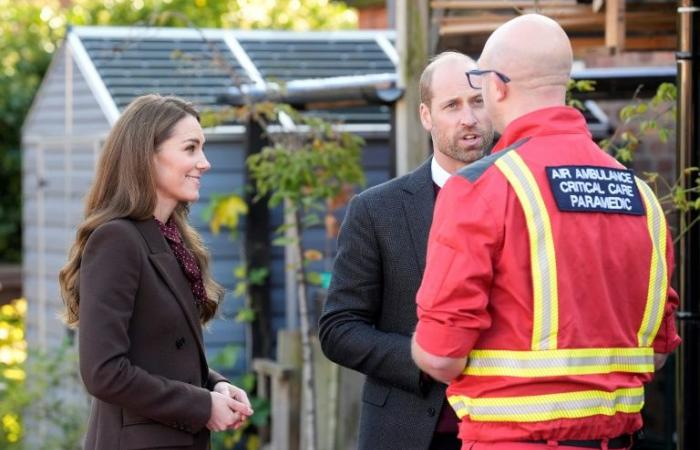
307, 368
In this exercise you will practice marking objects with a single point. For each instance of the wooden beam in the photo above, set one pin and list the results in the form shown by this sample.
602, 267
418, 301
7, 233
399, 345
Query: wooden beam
653, 22
497, 4
655, 43
615, 25
636, 22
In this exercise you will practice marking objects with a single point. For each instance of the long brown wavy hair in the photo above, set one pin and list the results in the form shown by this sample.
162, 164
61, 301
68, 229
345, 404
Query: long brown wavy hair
124, 187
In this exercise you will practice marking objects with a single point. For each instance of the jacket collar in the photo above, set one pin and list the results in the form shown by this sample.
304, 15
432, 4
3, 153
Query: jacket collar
546, 121
421, 178
418, 208
167, 266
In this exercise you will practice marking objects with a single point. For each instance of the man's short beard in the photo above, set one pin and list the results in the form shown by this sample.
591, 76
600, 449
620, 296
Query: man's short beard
466, 157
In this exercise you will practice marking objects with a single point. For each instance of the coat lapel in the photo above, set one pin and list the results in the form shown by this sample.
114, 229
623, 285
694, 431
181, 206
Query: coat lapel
165, 263
418, 204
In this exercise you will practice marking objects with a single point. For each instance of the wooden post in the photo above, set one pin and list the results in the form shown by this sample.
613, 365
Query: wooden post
615, 25
279, 382
412, 20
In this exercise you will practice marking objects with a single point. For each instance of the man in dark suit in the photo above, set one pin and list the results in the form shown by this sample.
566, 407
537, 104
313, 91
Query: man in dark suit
370, 312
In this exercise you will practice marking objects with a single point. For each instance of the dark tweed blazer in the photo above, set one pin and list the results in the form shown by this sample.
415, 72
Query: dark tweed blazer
370, 312
140, 343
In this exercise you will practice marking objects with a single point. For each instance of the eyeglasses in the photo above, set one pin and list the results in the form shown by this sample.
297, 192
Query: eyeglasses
474, 80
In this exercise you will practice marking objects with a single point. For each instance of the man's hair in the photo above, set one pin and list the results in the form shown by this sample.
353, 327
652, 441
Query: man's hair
426, 78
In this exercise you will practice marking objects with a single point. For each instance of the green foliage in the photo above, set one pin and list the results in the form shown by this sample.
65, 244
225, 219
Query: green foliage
643, 117
309, 166
13, 353
656, 116
578, 86
50, 395
10, 202
28, 41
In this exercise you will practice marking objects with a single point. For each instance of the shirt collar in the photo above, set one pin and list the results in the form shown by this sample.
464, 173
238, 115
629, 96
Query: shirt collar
439, 174
169, 230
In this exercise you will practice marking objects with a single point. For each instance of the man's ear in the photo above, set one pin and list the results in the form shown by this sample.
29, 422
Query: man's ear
501, 88
425, 118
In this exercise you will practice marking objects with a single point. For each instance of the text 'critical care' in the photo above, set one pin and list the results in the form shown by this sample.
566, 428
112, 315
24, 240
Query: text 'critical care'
595, 189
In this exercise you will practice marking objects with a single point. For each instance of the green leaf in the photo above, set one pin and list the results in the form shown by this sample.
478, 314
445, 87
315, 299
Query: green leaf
245, 315
283, 241
624, 155
239, 271
314, 278
627, 112
258, 275
647, 125
310, 220
663, 135
240, 289
226, 357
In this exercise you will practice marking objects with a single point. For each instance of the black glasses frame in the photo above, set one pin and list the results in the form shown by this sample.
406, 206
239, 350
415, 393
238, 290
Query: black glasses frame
479, 72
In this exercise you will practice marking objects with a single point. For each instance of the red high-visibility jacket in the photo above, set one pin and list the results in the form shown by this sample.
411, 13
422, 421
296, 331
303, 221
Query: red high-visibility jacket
548, 266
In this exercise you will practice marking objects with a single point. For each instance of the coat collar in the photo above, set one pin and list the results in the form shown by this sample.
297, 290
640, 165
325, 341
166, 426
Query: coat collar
542, 122
165, 263
418, 208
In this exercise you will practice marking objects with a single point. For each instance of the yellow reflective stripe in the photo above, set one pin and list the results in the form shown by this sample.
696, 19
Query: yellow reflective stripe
547, 363
658, 272
535, 408
542, 258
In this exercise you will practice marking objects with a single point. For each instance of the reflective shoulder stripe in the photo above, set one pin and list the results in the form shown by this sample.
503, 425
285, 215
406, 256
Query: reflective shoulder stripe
658, 273
548, 363
536, 408
542, 258
473, 171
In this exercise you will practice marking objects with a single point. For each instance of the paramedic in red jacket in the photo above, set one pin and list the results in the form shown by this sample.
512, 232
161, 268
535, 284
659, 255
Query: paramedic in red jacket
545, 302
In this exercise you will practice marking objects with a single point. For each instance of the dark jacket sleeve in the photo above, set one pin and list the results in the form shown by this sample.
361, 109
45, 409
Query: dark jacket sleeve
213, 378
109, 278
347, 327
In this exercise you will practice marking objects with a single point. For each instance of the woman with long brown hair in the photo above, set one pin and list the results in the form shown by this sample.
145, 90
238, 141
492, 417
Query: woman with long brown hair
138, 283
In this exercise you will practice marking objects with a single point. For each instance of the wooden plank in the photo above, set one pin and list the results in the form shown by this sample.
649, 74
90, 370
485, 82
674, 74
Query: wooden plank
568, 23
635, 21
641, 19
615, 25
655, 43
496, 4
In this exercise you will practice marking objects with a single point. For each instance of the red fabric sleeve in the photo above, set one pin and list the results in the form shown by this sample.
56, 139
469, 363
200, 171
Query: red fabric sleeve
453, 298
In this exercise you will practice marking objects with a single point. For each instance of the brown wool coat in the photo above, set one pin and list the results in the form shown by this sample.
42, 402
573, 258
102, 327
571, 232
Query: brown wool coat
140, 344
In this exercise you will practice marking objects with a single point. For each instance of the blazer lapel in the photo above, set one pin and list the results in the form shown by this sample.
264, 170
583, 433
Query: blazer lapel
165, 263
418, 203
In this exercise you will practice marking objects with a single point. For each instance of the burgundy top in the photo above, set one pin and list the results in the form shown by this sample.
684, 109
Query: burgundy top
185, 259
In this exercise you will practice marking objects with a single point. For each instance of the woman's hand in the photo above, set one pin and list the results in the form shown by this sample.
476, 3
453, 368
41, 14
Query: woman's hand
241, 403
223, 416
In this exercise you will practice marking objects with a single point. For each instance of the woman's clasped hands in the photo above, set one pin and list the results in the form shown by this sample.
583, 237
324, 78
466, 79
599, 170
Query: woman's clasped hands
230, 407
